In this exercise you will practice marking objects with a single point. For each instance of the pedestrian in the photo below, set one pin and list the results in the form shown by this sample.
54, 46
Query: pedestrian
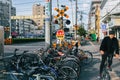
108, 48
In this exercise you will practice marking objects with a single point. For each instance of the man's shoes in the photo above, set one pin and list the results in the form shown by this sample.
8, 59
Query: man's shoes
109, 68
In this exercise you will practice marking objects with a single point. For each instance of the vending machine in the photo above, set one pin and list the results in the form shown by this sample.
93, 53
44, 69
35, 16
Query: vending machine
1, 41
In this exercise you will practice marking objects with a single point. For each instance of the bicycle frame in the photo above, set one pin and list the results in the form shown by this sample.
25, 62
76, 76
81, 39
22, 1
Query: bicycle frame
105, 73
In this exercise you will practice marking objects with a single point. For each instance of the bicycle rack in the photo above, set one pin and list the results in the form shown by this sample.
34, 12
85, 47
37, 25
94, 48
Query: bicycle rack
13, 73
38, 76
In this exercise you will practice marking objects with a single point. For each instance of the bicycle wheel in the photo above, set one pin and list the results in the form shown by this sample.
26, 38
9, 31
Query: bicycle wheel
73, 64
105, 75
67, 73
87, 57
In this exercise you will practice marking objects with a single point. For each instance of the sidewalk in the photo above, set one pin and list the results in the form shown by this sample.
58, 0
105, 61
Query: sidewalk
92, 70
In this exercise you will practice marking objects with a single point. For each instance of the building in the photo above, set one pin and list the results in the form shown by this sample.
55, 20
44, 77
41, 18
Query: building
93, 22
94, 4
25, 27
6, 11
38, 9
110, 12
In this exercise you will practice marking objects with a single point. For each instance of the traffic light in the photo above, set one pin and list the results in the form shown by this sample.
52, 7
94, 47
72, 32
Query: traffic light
66, 29
67, 22
56, 21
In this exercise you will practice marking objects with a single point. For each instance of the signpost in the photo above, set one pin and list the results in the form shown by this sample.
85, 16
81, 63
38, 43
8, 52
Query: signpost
60, 34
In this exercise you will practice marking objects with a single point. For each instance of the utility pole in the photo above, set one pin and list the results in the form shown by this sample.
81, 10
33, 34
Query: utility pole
10, 4
97, 22
47, 23
76, 21
58, 4
72, 13
51, 23
10, 28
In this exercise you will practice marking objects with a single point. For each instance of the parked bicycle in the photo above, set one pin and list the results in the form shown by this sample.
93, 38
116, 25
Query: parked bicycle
85, 57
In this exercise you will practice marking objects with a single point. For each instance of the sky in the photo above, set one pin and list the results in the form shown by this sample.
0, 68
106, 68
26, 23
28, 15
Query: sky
24, 7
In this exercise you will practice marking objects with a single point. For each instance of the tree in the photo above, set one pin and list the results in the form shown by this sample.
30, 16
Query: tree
81, 31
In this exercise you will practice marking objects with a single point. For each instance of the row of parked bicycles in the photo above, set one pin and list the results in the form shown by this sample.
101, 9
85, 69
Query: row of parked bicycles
49, 64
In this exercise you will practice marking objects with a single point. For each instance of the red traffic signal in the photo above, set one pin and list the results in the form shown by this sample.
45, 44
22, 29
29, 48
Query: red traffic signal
56, 21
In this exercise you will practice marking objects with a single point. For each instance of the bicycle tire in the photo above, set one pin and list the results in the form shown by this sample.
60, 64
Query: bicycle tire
105, 75
68, 73
89, 57
72, 64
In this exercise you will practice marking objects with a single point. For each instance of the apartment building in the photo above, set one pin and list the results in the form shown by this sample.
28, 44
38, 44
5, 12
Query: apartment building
110, 12
25, 27
7, 10
39, 9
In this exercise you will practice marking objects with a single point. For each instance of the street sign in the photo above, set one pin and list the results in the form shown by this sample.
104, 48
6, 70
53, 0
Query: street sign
103, 27
60, 34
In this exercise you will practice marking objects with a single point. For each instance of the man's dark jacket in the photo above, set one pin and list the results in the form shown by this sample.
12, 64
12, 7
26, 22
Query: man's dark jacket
110, 45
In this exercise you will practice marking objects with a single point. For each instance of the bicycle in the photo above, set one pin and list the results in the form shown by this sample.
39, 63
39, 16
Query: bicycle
105, 73
11, 66
85, 57
59, 63
65, 60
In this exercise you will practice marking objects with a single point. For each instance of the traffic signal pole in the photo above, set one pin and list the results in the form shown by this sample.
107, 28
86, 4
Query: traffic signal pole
76, 22
50, 23
47, 23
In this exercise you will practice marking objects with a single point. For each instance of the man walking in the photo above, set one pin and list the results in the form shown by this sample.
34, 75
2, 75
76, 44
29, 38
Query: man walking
108, 46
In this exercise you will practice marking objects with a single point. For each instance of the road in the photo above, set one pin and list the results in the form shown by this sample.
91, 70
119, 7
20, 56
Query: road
26, 46
89, 72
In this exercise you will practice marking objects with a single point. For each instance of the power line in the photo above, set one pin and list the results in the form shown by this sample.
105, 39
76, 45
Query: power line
110, 11
26, 3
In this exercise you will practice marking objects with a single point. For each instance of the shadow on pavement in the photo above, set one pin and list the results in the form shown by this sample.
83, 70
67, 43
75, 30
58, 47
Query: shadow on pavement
90, 71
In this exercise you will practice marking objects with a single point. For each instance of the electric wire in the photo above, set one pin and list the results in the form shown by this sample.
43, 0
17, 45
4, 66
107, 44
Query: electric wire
108, 12
111, 10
